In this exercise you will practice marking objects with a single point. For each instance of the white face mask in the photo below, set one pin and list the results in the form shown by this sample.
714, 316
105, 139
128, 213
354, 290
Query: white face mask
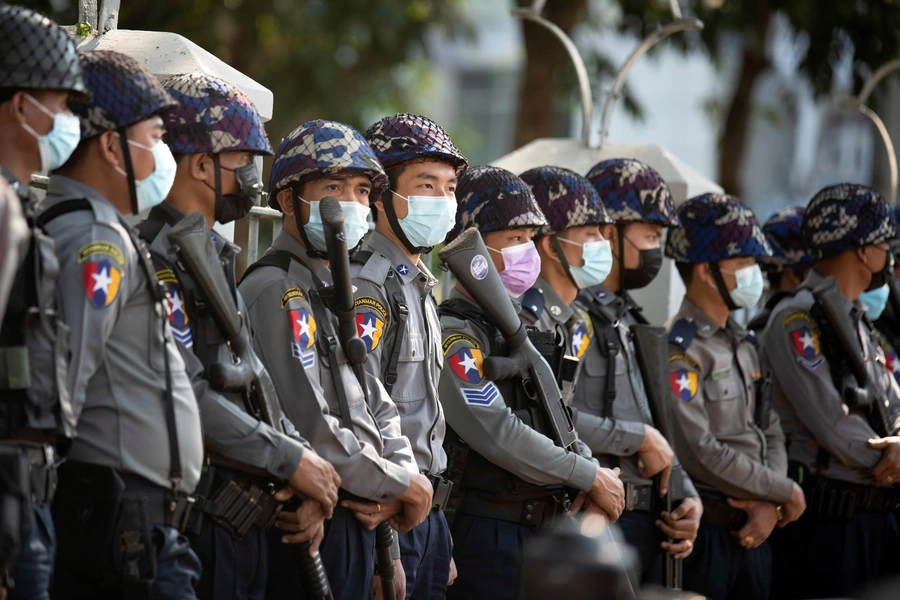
154, 189
428, 220
58, 144
749, 288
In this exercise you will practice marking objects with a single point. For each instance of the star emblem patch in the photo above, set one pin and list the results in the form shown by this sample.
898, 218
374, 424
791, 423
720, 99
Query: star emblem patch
370, 329
684, 384
101, 282
467, 364
806, 342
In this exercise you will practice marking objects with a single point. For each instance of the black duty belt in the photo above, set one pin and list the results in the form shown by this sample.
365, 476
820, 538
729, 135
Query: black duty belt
237, 502
533, 512
42, 463
442, 488
642, 498
162, 505
718, 513
839, 499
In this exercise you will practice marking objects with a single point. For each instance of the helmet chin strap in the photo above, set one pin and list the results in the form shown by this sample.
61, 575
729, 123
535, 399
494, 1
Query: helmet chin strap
129, 170
720, 285
387, 200
562, 259
310, 249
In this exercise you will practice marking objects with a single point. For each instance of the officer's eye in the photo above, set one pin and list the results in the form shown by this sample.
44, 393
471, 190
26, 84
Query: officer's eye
364, 191
333, 187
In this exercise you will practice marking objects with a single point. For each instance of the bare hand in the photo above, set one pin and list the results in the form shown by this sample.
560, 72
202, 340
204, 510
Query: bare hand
887, 471
453, 572
795, 506
305, 524
656, 456
608, 492
761, 520
682, 526
316, 479
399, 583
371, 514
417, 501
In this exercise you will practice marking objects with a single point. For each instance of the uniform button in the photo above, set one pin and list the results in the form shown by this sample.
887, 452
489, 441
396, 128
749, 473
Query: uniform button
527, 517
530, 507
433, 436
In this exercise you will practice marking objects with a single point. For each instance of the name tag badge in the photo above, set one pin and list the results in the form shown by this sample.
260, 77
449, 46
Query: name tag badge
721, 373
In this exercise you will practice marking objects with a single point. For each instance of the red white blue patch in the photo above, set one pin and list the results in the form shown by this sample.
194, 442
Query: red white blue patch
178, 318
892, 363
101, 282
684, 384
403, 269
483, 396
581, 339
370, 329
467, 364
806, 342
304, 328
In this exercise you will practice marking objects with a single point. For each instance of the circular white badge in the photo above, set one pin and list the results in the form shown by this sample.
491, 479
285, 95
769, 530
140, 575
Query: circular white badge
479, 267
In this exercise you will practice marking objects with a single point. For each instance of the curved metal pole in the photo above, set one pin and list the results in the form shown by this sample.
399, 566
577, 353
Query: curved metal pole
650, 41
882, 72
888, 147
584, 82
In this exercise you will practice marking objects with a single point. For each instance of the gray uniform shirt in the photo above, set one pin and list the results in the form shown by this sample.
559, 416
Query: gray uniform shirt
117, 374
812, 410
374, 460
227, 428
477, 412
712, 375
621, 434
420, 361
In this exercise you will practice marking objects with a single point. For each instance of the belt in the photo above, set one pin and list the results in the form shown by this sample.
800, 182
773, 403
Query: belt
42, 469
442, 488
718, 513
163, 507
237, 502
835, 498
642, 498
534, 512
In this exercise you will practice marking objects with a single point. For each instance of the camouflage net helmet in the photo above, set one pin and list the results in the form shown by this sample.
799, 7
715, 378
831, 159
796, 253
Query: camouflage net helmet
633, 192
784, 233
493, 199
715, 227
895, 243
320, 148
36, 54
124, 93
566, 198
212, 116
405, 138
845, 217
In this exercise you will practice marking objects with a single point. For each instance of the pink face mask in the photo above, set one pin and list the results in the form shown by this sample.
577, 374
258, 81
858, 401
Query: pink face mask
521, 267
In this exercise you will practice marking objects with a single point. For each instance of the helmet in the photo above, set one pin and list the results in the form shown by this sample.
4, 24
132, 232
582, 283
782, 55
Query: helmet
124, 93
212, 116
35, 53
632, 191
566, 198
847, 216
785, 237
493, 199
715, 227
403, 138
320, 148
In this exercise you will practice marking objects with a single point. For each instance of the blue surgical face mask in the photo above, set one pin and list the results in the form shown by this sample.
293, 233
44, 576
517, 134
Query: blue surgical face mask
749, 288
355, 224
598, 261
875, 301
154, 189
429, 220
60, 142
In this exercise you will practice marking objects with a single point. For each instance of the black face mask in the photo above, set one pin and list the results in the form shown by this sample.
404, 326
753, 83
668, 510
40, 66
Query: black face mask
231, 207
649, 264
880, 278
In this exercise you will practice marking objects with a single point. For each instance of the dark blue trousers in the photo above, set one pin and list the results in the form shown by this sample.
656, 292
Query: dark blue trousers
821, 557
488, 555
720, 568
642, 534
425, 554
348, 553
33, 569
232, 569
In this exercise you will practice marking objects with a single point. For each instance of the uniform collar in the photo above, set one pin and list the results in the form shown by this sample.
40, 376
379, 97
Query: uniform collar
67, 188
400, 261
558, 310
20, 188
706, 326
286, 242
166, 213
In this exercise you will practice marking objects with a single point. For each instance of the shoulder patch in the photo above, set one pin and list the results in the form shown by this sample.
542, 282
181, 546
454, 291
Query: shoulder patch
676, 356
290, 295
370, 329
457, 338
175, 309
303, 326
805, 339
533, 301
483, 396
370, 302
683, 333
102, 271
684, 384
799, 315
891, 360
376, 269
467, 365
581, 336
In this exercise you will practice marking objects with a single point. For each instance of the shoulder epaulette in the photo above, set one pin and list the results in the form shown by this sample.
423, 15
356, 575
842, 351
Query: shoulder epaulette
375, 266
751, 337
533, 301
682, 333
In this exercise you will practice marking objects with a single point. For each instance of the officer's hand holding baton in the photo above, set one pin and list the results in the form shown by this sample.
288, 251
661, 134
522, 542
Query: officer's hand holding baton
305, 524
317, 480
656, 457
408, 511
682, 526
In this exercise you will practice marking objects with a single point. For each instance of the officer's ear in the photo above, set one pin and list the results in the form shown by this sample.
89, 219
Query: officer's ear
610, 232
703, 272
110, 148
200, 166
17, 106
546, 248
286, 202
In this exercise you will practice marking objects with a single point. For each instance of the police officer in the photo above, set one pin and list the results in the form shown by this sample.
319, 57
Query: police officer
398, 316
728, 438
14, 237
888, 322
614, 415
214, 132
122, 498
510, 477
574, 254
358, 430
39, 75
845, 455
